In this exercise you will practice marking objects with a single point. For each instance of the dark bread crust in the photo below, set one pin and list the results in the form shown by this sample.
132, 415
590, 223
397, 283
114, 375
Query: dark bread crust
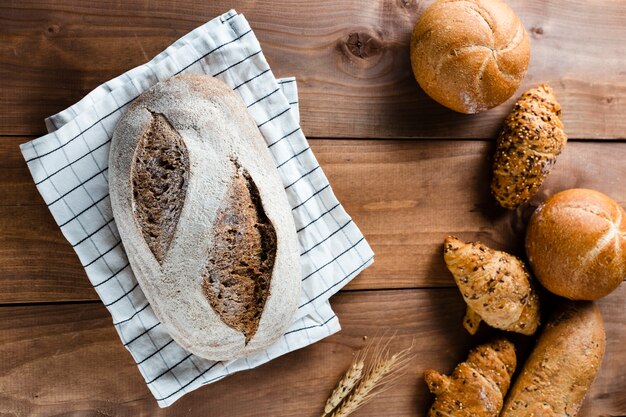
236, 279
159, 177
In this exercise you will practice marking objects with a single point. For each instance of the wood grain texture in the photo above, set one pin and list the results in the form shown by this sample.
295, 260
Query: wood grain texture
406, 197
16, 184
351, 59
67, 360
37, 264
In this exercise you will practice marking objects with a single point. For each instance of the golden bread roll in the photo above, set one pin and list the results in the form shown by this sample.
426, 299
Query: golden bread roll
562, 366
469, 55
477, 386
530, 141
576, 244
495, 285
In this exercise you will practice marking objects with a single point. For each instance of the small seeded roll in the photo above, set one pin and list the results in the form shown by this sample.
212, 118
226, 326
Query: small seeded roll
477, 387
495, 285
576, 244
528, 146
469, 55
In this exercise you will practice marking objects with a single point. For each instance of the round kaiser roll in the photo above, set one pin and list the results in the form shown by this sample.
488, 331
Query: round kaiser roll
469, 55
576, 244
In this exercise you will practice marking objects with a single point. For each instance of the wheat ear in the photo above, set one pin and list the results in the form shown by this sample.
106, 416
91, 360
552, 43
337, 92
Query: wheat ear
384, 369
346, 384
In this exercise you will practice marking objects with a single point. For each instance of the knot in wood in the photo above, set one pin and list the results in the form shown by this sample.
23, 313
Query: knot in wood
536, 31
53, 29
362, 45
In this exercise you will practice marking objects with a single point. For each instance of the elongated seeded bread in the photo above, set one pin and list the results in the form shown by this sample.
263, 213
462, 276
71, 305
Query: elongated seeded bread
562, 366
531, 139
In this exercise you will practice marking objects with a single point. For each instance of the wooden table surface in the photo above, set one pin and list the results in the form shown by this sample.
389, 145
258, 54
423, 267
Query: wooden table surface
408, 171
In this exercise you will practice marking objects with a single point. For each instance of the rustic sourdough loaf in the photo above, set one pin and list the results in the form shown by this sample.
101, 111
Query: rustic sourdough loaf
469, 55
576, 244
562, 366
204, 218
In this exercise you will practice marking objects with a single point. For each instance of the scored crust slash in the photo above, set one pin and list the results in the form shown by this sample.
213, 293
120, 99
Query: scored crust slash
239, 269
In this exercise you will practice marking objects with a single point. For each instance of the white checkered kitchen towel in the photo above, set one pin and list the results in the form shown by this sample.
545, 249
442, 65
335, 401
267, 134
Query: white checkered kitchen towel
69, 167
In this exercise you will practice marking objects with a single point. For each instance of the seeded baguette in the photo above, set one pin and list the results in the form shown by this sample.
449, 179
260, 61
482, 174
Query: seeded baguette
204, 218
562, 366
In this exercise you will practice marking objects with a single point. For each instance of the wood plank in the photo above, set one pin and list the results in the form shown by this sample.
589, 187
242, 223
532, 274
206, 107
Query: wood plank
406, 196
37, 264
57, 360
16, 183
351, 59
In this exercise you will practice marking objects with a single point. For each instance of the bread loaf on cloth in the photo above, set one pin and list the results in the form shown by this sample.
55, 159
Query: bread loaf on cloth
562, 366
204, 218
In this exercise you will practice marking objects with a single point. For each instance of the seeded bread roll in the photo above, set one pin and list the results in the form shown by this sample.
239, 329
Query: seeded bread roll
576, 244
469, 55
477, 386
528, 146
495, 285
562, 366
204, 218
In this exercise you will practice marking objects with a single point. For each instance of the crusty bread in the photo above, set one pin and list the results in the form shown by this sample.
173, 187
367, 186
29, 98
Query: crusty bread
495, 285
576, 244
477, 386
204, 218
469, 55
562, 366
530, 141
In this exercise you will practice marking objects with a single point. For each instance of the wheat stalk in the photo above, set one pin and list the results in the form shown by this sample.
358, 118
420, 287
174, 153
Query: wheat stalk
384, 369
346, 384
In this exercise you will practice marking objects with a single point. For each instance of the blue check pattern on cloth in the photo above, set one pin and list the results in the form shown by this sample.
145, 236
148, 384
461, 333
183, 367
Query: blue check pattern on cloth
70, 168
